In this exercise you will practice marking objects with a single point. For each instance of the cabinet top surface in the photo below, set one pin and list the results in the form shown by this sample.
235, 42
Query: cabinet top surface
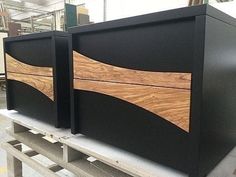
175, 14
33, 36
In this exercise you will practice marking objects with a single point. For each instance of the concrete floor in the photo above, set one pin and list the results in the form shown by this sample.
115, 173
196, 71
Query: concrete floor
3, 136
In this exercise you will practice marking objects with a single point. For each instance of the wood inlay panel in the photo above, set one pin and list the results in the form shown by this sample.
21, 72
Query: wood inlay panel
171, 104
13, 65
41, 83
86, 68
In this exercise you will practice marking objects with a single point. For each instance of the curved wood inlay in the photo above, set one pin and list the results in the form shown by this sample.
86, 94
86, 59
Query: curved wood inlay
13, 65
41, 83
171, 104
86, 68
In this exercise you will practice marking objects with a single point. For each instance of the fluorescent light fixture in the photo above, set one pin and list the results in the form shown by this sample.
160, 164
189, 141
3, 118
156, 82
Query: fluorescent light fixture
17, 0
40, 19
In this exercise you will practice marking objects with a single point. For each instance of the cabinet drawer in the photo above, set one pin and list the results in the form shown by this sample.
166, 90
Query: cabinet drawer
30, 50
40, 78
166, 94
88, 68
16, 66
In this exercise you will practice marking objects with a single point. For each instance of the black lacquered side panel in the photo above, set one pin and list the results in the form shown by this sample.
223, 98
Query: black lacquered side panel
218, 124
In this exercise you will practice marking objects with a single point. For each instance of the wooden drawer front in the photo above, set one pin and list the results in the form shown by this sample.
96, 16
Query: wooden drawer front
14, 65
87, 68
162, 93
40, 78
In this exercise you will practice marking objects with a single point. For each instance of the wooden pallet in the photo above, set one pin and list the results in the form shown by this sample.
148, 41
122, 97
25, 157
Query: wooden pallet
79, 154
63, 158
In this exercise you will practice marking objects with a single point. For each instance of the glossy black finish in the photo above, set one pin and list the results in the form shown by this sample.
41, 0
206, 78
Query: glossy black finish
200, 40
49, 49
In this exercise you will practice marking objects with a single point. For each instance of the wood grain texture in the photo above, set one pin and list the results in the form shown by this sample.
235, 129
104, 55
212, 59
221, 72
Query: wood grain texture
13, 65
41, 83
86, 68
171, 104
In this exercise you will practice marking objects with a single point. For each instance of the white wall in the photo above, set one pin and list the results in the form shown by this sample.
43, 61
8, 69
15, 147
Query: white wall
227, 7
95, 8
126, 8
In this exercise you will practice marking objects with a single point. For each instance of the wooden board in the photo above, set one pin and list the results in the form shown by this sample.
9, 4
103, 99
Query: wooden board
171, 104
13, 65
19, 157
41, 83
87, 68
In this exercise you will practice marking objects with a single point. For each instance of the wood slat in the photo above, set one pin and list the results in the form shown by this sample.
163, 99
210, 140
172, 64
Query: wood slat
171, 104
80, 167
13, 65
27, 160
30, 153
41, 83
87, 68
54, 167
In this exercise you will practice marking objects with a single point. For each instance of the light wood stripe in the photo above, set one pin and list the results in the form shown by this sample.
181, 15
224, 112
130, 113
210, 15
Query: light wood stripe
43, 84
171, 104
13, 65
86, 68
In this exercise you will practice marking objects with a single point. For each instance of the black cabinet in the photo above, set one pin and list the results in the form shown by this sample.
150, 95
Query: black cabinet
160, 85
37, 72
